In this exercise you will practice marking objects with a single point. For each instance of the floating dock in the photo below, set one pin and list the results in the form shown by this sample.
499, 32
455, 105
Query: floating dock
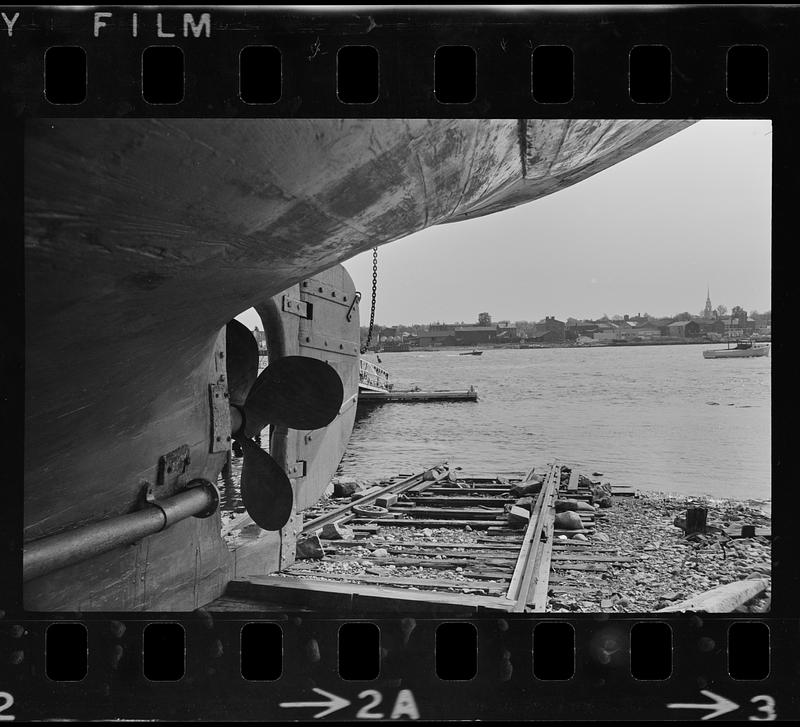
371, 396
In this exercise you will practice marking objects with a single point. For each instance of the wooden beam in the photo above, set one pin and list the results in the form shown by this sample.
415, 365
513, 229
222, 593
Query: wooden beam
434, 583
447, 513
722, 599
518, 588
381, 543
537, 592
430, 523
574, 478
349, 597
560, 556
458, 501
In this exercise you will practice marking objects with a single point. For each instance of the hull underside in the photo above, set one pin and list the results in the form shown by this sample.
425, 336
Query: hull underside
144, 237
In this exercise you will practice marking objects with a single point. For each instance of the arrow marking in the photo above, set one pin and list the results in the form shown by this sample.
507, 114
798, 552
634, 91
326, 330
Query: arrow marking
333, 703
719, 705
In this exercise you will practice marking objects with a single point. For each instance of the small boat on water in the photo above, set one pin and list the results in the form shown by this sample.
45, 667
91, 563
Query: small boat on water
476, 352
743, 349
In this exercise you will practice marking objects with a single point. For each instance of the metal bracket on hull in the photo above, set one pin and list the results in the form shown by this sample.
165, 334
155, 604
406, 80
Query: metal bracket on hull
220, 417
298, 469
298, 307
172, 474
320, 289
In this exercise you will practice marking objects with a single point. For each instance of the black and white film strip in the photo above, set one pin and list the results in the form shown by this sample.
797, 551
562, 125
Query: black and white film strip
176, 542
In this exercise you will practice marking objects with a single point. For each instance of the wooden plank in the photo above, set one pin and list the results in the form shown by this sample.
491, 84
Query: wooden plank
735, 531
583, 580
579, 566
722, 599
381, 543
522, 571
459, 501
430, 523
447, 513
348, 597
534, 585
594, 558
434, 583
561, 531
537, 593
443, 563
372, 494
574, 478
451, 490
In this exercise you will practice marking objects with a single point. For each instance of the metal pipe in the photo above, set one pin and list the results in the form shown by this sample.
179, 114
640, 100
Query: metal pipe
51, 553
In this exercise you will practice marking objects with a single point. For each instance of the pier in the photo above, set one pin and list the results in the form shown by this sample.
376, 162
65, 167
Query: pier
374, 388
367, 396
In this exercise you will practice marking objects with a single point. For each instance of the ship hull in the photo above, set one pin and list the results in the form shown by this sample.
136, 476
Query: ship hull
144, 237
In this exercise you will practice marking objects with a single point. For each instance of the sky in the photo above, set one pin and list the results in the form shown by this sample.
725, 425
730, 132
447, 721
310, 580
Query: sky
647, 235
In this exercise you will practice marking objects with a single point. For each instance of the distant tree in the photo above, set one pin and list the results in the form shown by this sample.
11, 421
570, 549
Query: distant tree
739, 314
484, 319
721, 310
617, 317
754, 314
685, 316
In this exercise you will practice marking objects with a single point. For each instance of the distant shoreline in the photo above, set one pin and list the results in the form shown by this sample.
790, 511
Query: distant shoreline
524, 347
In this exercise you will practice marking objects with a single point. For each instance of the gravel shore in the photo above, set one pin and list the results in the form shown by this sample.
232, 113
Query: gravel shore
666, 568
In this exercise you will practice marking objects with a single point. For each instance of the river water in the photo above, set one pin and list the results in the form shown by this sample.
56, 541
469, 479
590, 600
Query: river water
654, 417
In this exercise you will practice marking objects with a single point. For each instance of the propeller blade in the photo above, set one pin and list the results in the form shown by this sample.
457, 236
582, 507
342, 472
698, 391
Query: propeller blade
242, 360
294, 391
266, 490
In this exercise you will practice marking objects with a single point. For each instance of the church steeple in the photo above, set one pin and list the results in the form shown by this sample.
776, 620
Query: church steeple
708, 312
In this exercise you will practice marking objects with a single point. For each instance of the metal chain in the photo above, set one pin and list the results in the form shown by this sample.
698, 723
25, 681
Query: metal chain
374, 294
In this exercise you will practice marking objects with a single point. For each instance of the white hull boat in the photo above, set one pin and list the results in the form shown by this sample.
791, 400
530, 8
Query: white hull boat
741, 351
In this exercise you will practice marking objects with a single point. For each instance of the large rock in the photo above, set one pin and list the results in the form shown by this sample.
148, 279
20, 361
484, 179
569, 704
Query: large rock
336, 531
601, 495
518, 515
309, 549
526, 503
565, 505
526, 488
568, 521
345, 486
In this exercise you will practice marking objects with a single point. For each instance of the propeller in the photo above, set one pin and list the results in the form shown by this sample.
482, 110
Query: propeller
293, 391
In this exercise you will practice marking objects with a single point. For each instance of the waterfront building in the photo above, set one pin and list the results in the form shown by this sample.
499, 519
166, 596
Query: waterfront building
683, 329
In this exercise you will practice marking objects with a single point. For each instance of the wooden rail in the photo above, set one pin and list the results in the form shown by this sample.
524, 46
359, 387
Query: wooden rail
392, 489
530, 560
392, 565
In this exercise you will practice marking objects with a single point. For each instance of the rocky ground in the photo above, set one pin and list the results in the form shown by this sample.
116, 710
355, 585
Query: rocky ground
667, 568
368, 559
